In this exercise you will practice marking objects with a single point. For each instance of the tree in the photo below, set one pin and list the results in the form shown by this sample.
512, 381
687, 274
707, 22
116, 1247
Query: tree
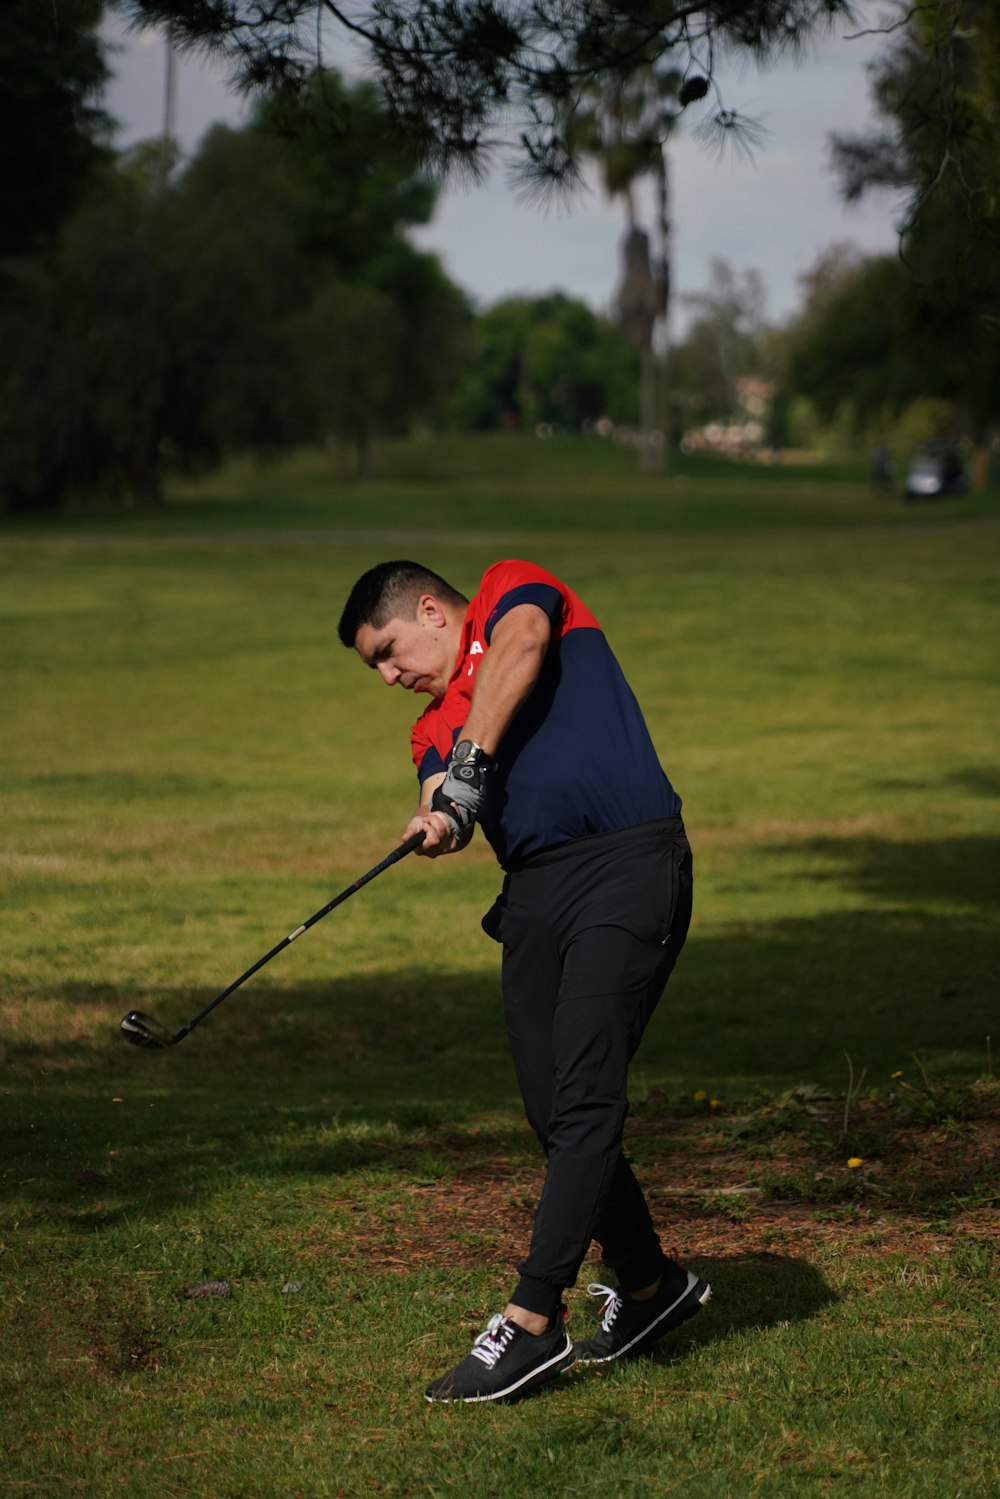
223, 306
546, 359
52, 133
380, 345
557, 81
724, 341
148, 331
431, 346
375, 356
232, 271
576, 367
342, 351
459, 76
848, 344
626, 130
851, 373
937, 90
490, 392
359, 183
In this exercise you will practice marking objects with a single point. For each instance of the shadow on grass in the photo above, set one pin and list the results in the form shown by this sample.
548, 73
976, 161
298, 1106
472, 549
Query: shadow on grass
749, 1292
963, 870
361, 1074
979, 780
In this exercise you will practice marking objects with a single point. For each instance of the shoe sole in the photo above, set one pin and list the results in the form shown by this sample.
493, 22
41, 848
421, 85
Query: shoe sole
695, 1296
555, 1366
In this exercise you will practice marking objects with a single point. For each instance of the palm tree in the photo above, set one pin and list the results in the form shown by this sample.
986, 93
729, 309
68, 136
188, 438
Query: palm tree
626, 128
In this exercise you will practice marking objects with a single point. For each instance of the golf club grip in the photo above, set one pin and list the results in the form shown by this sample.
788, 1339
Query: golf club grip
404, 848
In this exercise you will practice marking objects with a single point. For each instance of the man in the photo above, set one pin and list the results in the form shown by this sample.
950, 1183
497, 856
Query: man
534, 733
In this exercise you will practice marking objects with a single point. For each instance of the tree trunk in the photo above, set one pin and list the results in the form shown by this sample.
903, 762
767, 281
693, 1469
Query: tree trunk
363, 448
664, 423
980, 466
666, 228
651, 449
145, 480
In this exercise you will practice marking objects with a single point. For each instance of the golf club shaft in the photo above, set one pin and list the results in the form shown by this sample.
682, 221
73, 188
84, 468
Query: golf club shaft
393, 858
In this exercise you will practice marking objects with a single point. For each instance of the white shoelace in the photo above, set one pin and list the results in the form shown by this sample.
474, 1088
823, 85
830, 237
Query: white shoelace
612, 1305
493, 1343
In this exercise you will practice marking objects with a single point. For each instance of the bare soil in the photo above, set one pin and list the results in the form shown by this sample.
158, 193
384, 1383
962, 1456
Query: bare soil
916, 1191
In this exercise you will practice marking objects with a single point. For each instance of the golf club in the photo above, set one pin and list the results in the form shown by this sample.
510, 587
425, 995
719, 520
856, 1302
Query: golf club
143, 1030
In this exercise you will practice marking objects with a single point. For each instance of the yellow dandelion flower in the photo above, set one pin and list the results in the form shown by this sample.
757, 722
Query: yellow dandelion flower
896, 1074
700, 1096
713, 1103
854, 1161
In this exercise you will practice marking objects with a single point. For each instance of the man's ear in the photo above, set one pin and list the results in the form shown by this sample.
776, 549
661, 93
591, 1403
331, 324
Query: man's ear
430, 612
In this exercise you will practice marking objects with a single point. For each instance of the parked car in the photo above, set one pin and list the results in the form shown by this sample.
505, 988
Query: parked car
936, 469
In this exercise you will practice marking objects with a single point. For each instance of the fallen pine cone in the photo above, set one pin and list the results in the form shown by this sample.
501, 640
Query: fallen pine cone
211, 1288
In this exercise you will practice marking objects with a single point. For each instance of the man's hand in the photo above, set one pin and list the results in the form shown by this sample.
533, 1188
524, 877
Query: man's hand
439, 833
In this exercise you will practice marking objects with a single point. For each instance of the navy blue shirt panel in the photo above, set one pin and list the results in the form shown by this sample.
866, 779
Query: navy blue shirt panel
577, 760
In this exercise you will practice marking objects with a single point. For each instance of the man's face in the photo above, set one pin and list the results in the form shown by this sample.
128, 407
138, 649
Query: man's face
417, 654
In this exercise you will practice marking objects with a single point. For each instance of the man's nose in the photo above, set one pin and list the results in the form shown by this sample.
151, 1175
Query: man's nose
389, 672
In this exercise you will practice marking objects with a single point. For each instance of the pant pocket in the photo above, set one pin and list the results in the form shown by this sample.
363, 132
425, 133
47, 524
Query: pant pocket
491, 921
649, 894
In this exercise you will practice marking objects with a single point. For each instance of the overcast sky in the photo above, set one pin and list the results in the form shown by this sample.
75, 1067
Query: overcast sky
774, 214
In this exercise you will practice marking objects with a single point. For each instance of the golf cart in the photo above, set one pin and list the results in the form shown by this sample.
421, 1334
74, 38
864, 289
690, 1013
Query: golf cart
937, 468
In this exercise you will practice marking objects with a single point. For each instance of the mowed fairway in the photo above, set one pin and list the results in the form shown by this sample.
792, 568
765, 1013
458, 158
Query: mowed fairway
192, 765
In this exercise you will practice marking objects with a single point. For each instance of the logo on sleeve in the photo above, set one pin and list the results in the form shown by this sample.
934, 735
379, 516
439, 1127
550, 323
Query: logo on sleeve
475, 649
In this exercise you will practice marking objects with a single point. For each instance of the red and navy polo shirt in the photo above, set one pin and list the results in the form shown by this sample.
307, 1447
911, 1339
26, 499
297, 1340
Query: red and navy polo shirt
577, 759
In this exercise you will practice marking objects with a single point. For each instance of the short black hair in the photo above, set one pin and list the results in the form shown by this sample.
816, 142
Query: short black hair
390, 591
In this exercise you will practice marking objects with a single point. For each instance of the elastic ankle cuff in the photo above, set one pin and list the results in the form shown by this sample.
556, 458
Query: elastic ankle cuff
535, 1296
642, 1273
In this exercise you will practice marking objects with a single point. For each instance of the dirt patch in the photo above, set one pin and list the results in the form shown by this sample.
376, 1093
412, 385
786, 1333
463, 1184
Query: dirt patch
915, 1190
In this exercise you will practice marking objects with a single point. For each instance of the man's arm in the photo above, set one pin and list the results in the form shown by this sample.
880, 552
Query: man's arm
505, 679
507, 674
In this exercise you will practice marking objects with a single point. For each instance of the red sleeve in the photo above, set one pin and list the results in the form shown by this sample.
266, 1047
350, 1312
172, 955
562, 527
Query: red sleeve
432, 736
508, 584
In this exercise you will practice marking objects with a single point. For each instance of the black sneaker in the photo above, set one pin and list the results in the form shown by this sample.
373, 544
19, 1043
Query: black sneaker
629, 1328
505, 1363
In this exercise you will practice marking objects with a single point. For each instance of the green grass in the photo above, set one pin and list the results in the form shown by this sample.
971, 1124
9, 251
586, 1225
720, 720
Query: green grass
192, 765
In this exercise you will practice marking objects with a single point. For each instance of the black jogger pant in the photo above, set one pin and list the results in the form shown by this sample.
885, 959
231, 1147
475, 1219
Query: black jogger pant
591, 931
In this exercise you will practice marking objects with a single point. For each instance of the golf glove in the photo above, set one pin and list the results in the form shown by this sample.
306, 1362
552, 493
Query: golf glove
461, 793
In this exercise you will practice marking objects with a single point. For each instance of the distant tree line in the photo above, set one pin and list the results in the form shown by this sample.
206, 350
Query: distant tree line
941, 305
889, 350
863, 363
156, 314
546, 361
265, 295
262, 294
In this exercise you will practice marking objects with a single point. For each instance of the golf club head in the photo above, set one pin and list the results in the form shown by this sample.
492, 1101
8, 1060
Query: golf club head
143, 1030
